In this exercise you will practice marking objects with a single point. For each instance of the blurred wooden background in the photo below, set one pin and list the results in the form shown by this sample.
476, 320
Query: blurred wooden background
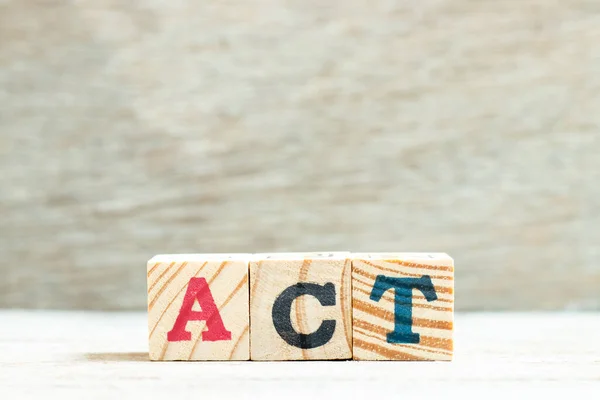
141, 127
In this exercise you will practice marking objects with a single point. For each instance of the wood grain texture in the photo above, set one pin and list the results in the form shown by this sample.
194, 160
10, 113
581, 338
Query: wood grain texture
373, 320
95, 355
469, 127
168, 280
270, 275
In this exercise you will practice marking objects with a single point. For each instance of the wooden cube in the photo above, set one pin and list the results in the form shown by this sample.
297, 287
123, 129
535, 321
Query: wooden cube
300, 306
198, 307
403, 306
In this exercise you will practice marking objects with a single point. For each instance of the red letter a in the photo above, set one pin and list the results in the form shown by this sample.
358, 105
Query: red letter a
215, 330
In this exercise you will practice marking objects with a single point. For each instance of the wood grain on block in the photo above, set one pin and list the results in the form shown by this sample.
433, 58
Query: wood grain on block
198, 307
300, 306
403, 306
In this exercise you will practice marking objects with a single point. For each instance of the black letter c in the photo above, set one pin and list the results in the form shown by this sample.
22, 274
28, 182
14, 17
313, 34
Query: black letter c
282, 309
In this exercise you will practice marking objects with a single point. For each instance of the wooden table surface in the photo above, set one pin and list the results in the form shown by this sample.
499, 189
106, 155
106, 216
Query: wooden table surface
99, 355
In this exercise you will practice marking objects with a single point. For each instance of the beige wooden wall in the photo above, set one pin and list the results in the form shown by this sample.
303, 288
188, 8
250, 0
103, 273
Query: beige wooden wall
129, 128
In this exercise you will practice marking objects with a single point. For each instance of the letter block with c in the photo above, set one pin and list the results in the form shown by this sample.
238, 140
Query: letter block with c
300, 306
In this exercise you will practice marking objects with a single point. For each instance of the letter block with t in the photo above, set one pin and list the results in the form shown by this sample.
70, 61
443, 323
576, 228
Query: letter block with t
198, 307
403, 306
300, 306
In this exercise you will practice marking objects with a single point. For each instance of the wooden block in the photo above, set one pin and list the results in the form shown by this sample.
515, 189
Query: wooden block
198, 307
300, 306
403, 306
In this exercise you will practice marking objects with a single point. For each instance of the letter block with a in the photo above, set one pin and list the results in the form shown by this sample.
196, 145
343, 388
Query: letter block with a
300, 306
198, 307
403, 306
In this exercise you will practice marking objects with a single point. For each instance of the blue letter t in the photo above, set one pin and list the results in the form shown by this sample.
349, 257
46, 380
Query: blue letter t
403, 303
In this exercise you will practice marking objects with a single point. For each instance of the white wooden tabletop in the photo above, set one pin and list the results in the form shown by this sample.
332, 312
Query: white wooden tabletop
100, 355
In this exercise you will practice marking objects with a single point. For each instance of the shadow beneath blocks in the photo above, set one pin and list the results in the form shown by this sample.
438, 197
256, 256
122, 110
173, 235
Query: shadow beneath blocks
117, 357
